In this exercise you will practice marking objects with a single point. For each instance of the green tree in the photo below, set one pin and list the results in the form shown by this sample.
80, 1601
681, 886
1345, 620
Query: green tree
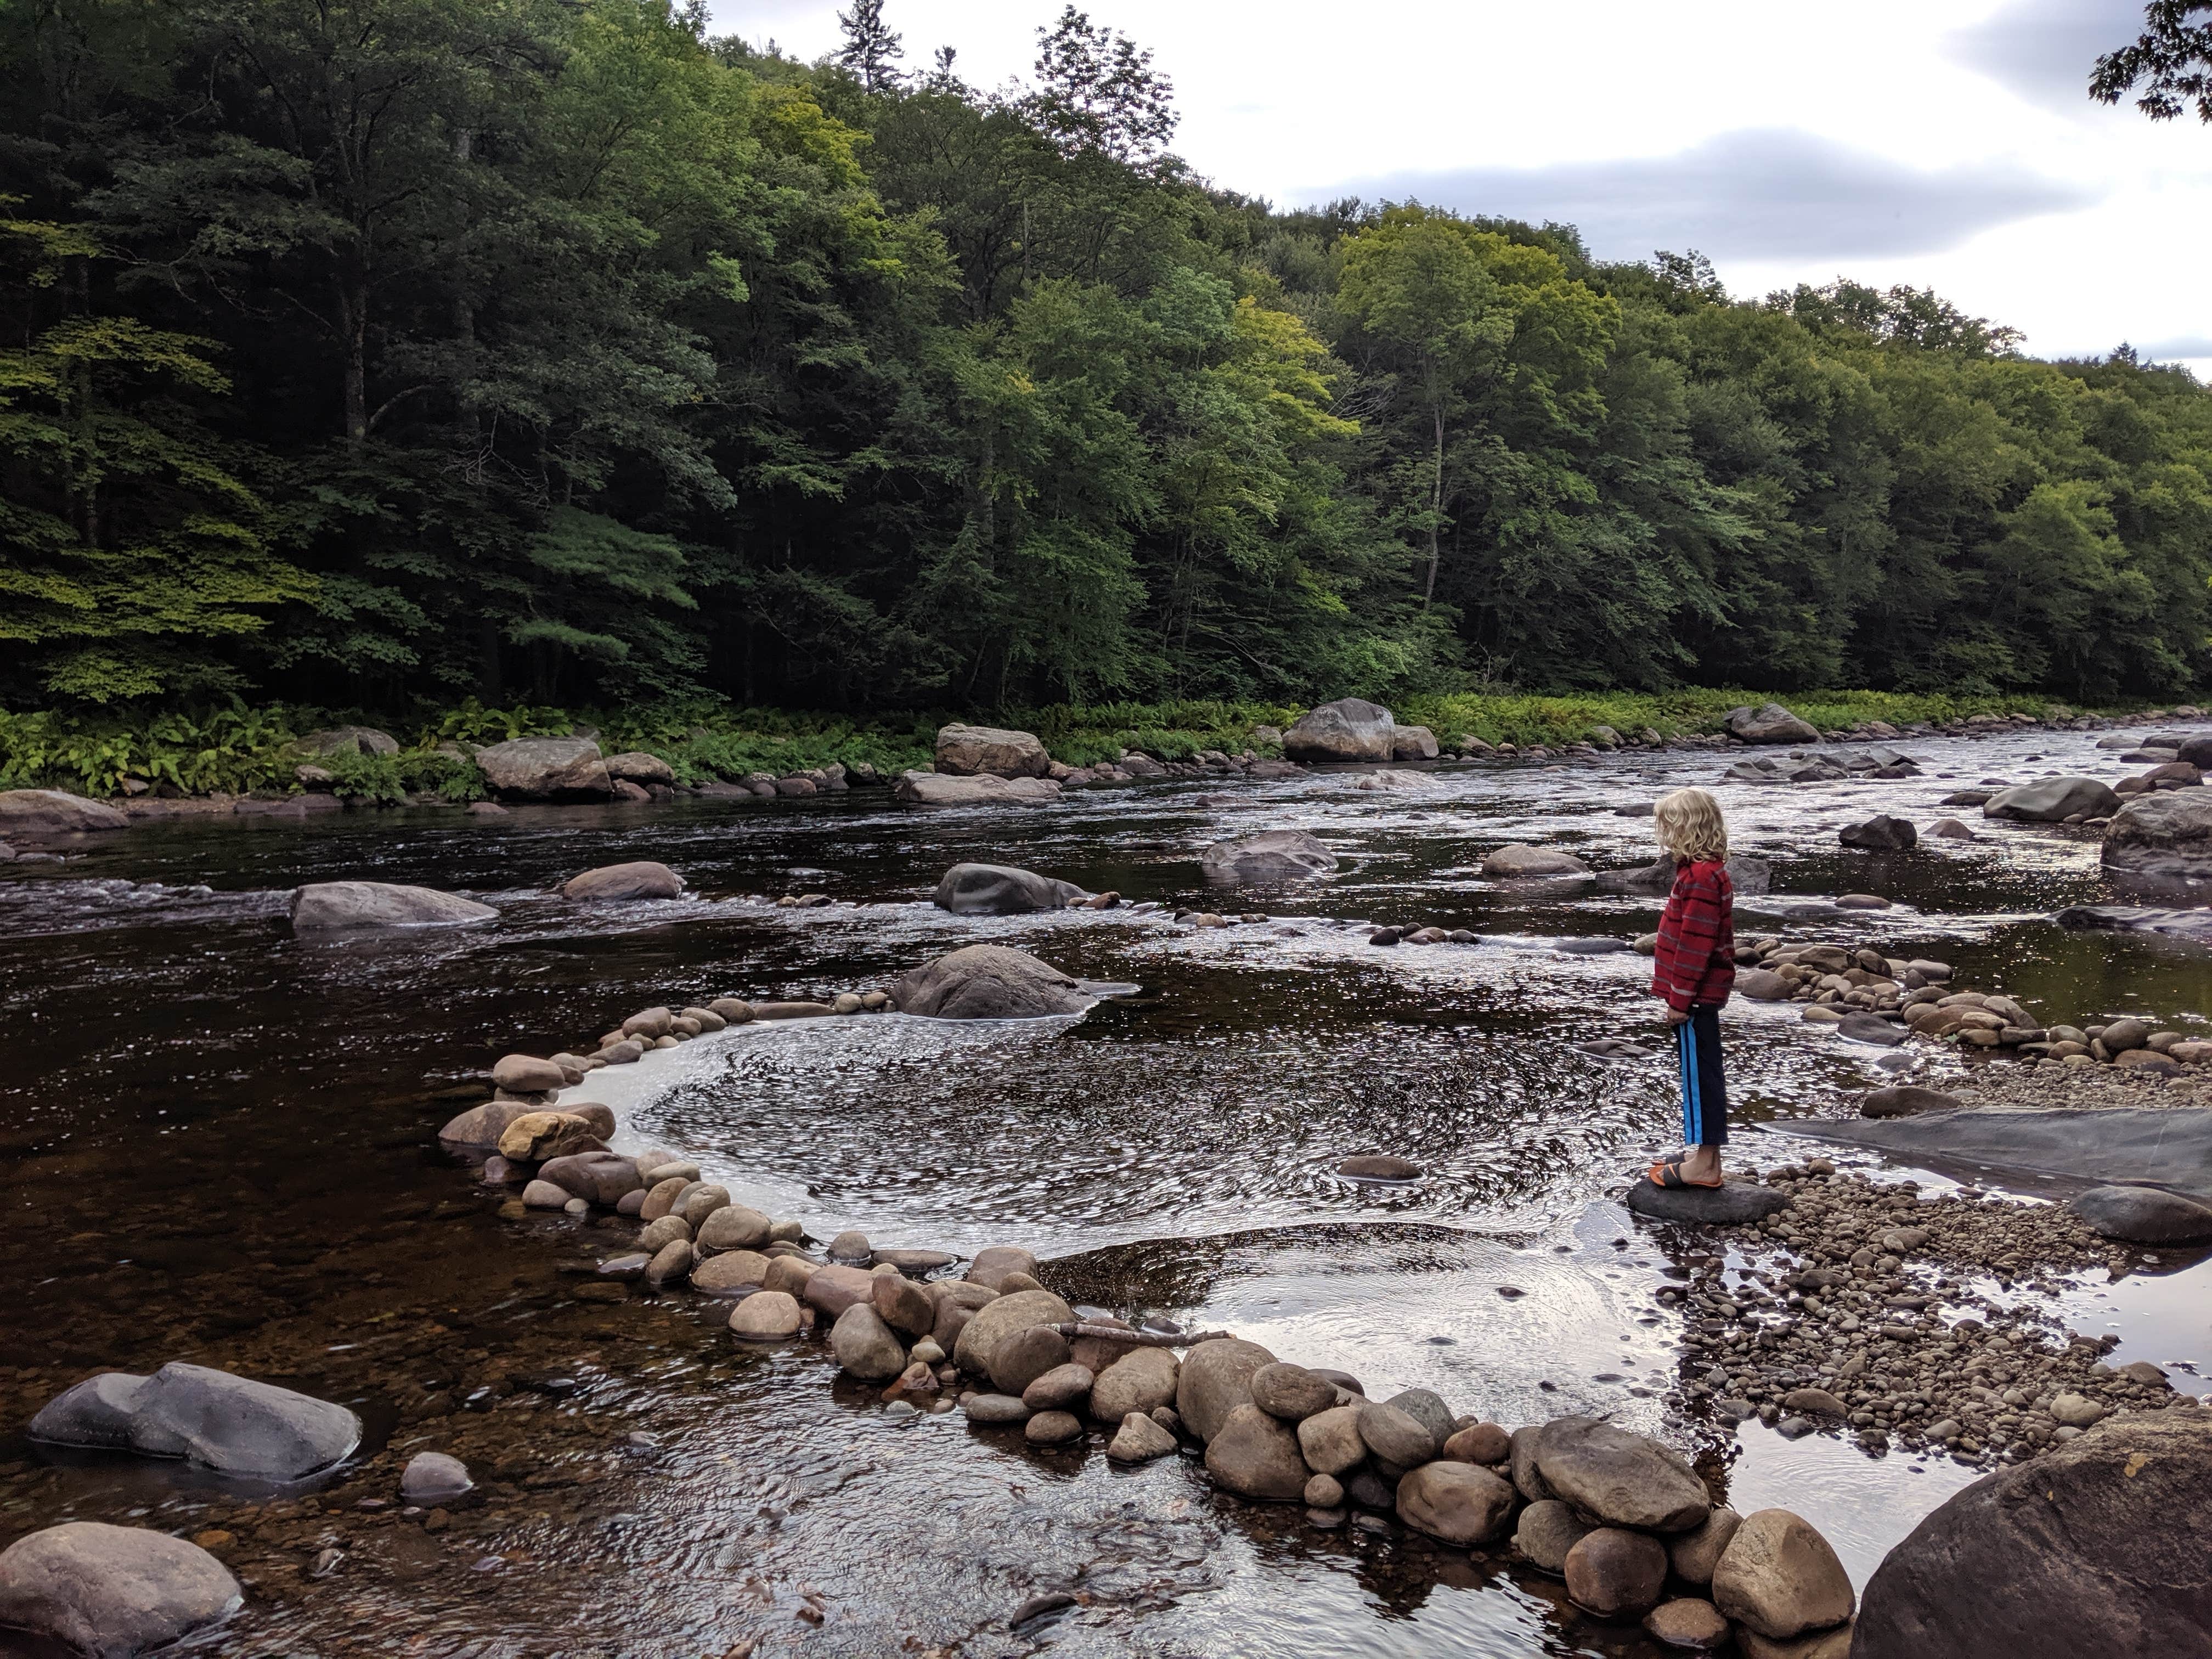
2171, 60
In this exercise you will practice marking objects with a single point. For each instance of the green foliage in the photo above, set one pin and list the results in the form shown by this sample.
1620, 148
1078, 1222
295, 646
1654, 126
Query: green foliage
232, 750
518, 358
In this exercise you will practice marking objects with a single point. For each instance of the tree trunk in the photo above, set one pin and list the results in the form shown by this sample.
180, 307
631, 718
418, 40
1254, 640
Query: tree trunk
1435, 508
353, 323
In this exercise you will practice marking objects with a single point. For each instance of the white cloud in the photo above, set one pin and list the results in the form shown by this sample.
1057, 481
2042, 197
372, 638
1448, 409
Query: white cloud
1938, 143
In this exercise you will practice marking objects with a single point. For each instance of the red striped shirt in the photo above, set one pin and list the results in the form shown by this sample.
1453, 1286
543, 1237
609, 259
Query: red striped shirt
1695, 962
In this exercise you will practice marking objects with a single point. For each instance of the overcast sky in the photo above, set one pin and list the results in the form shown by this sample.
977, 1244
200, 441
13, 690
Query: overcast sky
1946, 144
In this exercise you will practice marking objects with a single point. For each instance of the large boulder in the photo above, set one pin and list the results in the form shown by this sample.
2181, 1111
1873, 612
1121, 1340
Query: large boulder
332, 906
1459, 1503
1254, 1455
1618, 1479
1769, 722
1780, 1577
1217, 1378
1002, 890
985, 789
1271, 855
643, 879
546, 769
233, 1424
2168, 833
1880, 833
2094, 1545
635, 766
866, 1345
988, 981
1346, 730
33, 813
108, 1592
966, 751
2051, 800
1412, 743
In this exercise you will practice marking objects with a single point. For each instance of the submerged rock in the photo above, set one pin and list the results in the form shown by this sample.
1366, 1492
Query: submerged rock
1621, 1479
2050, 800
331, 905
219, 1421
985, 789
2144, 1215
111, 1592
1271, 855
1002, 890
2168, 833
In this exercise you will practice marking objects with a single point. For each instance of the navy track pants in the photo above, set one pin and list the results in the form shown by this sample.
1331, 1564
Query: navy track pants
1704, 1092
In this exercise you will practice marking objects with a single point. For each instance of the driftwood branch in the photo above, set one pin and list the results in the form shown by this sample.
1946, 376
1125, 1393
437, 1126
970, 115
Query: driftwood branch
1138, 1339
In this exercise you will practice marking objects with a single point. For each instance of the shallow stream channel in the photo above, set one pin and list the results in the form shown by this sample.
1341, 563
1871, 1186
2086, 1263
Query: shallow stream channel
218, 1144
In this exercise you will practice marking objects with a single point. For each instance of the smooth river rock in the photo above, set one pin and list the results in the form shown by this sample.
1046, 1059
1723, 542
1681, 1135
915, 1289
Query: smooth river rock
1780, 1577
1215, 1379
1459, 1503
1546, 1530
2144, 1215
2167, 834
1615, 1572
2049, 801
969, 750
1002, 890
1141, 1380
110, 1592
988, 981
643, 879
1255, 1455
767, 1316
1730, 1204
335, 906
999, 1319
945, 789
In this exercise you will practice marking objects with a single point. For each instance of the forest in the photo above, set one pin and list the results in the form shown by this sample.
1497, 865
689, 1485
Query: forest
383, 355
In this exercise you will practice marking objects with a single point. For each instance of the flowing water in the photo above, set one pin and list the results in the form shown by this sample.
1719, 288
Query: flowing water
220, 1144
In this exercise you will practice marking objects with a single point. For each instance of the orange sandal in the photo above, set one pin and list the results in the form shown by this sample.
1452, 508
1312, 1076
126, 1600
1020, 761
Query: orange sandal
1670, 1174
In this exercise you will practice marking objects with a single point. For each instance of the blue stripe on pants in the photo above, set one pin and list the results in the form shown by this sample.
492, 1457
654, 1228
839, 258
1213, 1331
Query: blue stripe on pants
1693, 1114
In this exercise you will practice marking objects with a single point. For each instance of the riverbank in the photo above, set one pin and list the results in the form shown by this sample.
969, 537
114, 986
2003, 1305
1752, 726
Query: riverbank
428, 754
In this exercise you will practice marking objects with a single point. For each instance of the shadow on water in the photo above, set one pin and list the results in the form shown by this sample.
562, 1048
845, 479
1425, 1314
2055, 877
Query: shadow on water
219, 1147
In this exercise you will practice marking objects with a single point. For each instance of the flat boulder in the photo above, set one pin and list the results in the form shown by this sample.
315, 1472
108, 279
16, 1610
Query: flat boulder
988, 981
546, 769
1762, 985
643, 879
1871, 1028
109, 1592
1378, 1166
483, 1126
1730, 1204
1271, 855
348, 905
1907, 1100
984, 789
970, 750
2092, 1541
635, 766
230, 1424
1461, 1503
2051, 800
1517, 860
2167, 834
347, 740
1768, 723
1002, 890
2167, 1147
2144, 1215
1348, 729
1216, 1378
1617, 1479
30, 813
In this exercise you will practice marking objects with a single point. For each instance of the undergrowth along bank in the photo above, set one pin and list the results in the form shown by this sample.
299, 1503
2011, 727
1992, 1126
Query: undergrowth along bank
235, 749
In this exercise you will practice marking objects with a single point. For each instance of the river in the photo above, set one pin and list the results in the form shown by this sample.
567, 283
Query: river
220, 1144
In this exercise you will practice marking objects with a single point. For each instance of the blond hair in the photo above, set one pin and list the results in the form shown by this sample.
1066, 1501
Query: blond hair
1688, 824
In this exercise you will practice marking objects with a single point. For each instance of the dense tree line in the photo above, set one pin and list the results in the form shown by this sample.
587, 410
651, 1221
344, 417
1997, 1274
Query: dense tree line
367, 351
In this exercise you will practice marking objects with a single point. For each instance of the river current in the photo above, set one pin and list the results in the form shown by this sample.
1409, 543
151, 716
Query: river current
219, 1143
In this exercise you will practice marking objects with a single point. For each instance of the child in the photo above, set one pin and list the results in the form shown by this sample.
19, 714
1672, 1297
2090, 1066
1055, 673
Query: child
1693, 969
